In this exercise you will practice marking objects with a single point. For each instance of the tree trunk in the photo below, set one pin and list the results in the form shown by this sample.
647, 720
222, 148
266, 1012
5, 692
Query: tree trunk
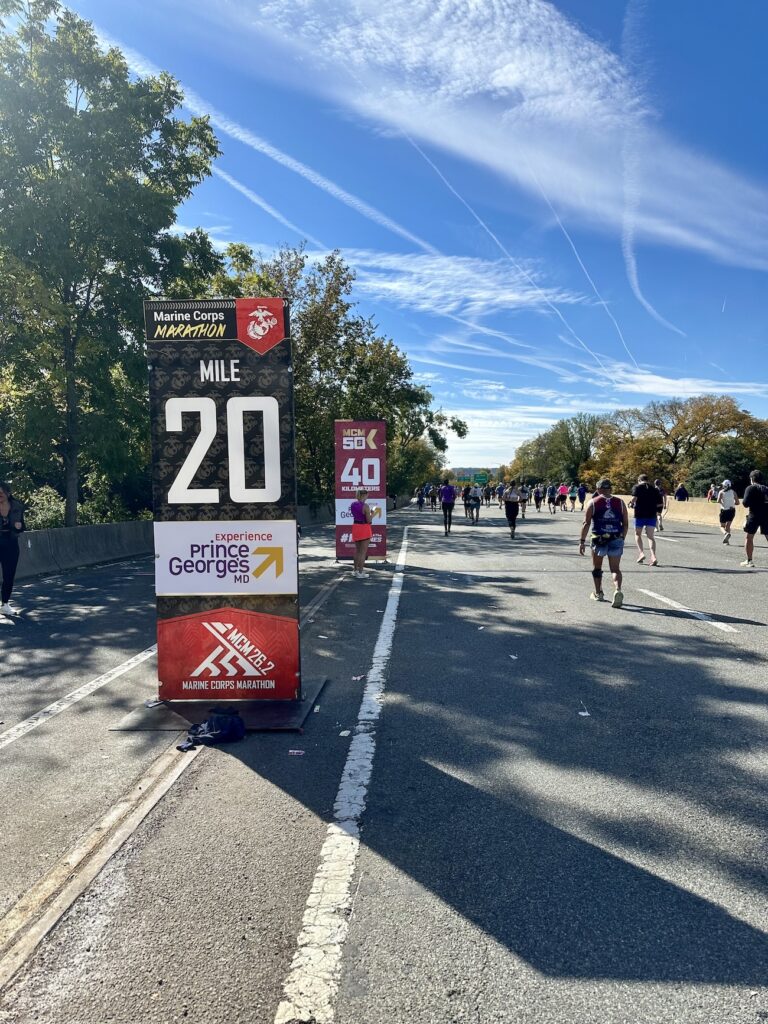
72, 439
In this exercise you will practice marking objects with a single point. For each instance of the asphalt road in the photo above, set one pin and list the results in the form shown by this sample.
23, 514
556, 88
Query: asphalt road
566, 819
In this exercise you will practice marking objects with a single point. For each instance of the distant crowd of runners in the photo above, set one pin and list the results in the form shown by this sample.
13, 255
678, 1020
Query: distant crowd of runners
606, 516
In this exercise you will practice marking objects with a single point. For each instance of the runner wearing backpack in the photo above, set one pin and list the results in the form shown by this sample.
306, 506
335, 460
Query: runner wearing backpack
607, 519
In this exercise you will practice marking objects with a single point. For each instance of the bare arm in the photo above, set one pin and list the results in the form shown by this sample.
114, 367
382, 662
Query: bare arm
585, 526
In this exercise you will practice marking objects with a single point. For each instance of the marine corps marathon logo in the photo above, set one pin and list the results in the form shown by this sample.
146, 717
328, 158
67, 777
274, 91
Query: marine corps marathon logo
260, 323
233, 655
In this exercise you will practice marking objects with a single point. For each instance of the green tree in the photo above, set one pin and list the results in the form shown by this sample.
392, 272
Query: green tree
727, 459
93, 165
572, 443
683, 430
560, 452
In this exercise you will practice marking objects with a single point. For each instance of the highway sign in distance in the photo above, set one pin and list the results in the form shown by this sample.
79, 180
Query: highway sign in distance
361, 462
481, 479
224, 495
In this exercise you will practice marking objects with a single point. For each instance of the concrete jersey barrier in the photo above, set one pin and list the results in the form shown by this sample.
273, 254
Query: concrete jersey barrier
47, 551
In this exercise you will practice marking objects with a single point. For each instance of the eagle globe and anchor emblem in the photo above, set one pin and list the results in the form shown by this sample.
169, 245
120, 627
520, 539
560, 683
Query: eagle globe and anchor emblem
260, 323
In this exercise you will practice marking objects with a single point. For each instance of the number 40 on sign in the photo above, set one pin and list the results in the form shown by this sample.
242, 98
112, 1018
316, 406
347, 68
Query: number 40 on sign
362, 474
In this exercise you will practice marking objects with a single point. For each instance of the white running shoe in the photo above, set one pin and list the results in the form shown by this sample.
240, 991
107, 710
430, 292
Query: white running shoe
618, 599
727, 539
362, 575
8, 609
597, 595
748, 563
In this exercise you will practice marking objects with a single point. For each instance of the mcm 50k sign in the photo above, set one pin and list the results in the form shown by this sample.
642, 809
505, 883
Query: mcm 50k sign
361, 464
224, 494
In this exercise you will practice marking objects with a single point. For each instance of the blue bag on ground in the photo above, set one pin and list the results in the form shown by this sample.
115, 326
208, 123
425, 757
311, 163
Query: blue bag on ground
223, 725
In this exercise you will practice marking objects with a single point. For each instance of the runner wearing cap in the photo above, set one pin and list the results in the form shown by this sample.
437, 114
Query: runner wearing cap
727, 499
607, 519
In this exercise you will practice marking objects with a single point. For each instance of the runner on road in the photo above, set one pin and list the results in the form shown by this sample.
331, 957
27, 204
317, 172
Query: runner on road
645, 502
552, 499
756, 503
525, 494
447, 501
727, 499
661, 508
607, 519
475, 501
573, 493
538, 494
500, 492
562, 497
511, 505
420, 499
582, 493
433, 498
465, 499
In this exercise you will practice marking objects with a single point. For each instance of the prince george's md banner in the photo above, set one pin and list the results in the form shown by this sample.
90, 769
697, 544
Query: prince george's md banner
224, 493
361, 462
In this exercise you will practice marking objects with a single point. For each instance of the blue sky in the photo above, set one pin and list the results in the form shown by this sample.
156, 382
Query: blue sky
551, 207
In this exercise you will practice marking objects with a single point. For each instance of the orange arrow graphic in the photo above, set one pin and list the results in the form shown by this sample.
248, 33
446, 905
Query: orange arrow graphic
371, 439
274, 556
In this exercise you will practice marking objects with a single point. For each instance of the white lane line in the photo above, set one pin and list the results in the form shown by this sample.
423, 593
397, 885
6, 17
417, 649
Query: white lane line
689, 611
524, 536
313, 979
671, 540
15, 733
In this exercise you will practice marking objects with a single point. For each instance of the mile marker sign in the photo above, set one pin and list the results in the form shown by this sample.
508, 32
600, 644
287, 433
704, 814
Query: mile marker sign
224, 494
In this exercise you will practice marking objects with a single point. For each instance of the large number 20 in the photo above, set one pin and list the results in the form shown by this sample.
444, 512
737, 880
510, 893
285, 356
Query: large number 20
180, 493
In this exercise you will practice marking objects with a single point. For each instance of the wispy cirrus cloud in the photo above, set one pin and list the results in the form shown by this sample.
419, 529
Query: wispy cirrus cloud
140, 65
452, 285
259, 201
516, 77
628, 380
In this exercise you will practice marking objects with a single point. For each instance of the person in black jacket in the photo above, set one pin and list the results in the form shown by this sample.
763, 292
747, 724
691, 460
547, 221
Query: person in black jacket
11, 525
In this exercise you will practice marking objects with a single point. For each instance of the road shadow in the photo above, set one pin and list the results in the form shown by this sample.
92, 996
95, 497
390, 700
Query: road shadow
558, 833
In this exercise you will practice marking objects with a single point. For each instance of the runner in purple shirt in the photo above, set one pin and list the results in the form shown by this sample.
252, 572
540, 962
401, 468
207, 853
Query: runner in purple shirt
447, 500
